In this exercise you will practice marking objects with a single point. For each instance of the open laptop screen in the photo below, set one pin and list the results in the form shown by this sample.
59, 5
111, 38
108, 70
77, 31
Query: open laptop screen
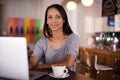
13, 58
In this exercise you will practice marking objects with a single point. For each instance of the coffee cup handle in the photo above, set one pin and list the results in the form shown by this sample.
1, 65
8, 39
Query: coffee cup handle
65, 72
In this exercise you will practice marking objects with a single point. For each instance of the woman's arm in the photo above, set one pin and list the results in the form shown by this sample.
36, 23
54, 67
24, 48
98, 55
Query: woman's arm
37, 53
69, 60
33, 62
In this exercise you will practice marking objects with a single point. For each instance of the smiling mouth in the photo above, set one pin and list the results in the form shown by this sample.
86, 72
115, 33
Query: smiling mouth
54, 25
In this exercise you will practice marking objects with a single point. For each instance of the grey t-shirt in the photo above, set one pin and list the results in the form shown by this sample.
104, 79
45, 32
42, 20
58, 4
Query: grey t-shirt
44, 51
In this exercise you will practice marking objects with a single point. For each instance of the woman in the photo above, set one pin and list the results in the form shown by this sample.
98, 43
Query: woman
59, 44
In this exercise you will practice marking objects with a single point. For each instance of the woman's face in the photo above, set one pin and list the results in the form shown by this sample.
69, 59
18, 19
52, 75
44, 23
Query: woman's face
54, 20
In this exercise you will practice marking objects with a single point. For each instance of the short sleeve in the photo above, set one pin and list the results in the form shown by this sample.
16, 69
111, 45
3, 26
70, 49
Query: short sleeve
39, 48
73, 45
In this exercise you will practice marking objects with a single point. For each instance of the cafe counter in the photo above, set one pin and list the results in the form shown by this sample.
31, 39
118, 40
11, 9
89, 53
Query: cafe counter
104, 57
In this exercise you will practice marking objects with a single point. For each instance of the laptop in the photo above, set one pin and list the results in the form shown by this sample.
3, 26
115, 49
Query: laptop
14, 60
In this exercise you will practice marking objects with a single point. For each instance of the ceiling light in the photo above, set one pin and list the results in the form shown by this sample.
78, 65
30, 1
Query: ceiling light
87, 2
71, 5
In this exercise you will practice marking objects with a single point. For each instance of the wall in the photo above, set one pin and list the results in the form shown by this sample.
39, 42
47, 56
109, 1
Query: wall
22, 9
1, 19
81, 20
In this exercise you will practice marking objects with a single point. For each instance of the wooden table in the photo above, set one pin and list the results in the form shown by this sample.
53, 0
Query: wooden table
73, 76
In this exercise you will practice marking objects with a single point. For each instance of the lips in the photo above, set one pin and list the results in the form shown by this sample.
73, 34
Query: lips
54, 25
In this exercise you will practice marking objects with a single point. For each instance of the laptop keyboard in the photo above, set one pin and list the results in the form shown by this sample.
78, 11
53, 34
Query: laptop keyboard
36, 74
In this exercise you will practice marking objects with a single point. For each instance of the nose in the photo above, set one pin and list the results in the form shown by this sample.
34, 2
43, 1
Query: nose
54, 20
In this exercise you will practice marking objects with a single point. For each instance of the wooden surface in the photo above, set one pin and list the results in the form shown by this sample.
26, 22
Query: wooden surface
103, 51
73, 76
105, 57
102, 75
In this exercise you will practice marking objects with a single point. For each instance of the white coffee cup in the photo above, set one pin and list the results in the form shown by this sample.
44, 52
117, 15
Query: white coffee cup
59, 70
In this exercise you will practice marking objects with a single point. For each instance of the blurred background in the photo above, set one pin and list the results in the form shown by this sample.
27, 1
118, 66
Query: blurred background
85, 20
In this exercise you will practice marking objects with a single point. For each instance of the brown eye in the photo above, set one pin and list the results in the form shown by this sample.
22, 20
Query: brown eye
49, 17
58, 17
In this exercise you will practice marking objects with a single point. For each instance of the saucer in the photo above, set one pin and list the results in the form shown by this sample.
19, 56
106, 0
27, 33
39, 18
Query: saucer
52, 75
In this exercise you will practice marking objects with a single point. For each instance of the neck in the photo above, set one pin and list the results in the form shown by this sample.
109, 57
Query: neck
57, 35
